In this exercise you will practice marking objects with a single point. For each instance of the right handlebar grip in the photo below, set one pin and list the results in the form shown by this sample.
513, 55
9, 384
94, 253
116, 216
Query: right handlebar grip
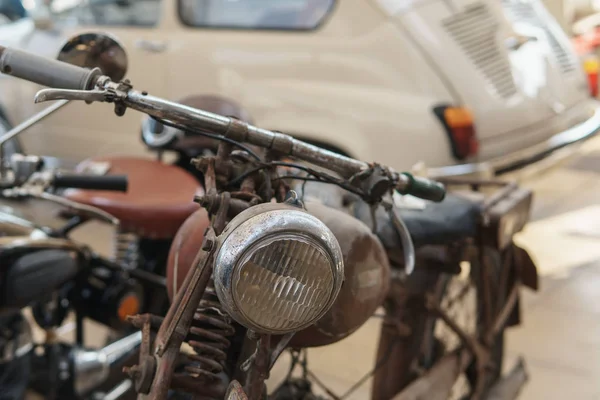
117, 183
46, 71
424, 188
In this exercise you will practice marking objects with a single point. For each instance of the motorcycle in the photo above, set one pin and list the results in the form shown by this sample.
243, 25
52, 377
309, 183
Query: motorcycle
52, 275
158, 199
274, 272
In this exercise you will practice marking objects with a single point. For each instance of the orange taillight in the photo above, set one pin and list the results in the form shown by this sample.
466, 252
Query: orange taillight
459, 122
129, 305
591, 67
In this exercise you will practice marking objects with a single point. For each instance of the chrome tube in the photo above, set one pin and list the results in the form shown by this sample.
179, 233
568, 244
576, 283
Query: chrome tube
206, 121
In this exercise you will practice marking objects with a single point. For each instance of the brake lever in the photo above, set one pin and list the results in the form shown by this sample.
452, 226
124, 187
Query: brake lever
89, 96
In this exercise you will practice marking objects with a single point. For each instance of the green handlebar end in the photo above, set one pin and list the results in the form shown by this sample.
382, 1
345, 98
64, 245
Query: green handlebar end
424, 188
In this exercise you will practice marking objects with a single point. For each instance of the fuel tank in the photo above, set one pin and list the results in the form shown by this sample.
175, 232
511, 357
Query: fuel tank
366, 271
366, 282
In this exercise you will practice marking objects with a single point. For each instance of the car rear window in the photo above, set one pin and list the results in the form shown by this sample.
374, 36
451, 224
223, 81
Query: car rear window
255, 14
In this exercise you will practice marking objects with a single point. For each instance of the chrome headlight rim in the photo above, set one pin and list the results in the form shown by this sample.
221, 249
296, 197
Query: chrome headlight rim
276, 220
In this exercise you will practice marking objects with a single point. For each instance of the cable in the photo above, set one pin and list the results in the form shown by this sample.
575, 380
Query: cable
209, 135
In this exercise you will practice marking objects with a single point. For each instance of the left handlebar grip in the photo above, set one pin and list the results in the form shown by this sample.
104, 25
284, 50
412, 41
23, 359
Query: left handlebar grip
117, 183
45, 71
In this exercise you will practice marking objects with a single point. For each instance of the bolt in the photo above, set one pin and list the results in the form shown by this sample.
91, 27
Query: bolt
207, 244
133, 372
144, 93
135, 320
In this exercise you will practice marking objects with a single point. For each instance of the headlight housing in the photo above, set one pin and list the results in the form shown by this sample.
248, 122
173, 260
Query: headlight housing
277, 269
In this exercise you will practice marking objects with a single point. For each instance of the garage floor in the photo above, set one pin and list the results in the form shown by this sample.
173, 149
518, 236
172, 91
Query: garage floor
560, 337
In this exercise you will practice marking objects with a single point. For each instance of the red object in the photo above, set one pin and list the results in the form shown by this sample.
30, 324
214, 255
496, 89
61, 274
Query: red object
593, 82
465, 141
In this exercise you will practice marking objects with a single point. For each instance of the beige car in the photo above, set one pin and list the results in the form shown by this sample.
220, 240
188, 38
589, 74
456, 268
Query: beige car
462, 85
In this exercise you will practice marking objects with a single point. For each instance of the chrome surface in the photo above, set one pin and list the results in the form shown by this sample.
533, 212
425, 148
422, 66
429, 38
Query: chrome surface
95, 50
117, 392
126, 248
157, 135
192, 118
266, 255
567, 138
92, 367
23, 167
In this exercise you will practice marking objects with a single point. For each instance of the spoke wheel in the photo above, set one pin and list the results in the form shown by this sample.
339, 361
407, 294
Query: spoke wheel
461, 298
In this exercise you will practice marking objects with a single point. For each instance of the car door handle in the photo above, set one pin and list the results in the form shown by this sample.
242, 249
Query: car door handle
153, 46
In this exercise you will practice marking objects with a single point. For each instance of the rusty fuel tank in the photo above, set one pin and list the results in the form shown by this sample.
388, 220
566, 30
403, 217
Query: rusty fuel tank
366, 271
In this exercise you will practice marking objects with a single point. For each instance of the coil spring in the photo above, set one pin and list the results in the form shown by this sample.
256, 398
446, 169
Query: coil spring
208, 336
126, 249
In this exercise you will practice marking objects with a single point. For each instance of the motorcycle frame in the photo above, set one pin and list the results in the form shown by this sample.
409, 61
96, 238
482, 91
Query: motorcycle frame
155, 374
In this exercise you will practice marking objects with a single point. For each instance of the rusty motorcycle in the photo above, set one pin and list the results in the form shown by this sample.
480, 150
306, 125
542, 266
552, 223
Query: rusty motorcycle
266, 271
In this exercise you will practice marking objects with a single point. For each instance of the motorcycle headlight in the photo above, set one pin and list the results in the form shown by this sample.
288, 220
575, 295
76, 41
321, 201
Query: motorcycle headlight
277, 268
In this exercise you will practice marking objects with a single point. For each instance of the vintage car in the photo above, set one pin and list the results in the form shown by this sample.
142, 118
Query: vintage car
459, 85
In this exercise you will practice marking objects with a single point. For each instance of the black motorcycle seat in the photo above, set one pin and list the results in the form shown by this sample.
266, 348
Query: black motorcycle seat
453, 219
34, 275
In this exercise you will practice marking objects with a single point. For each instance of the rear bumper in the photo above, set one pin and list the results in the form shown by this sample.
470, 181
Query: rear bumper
565, 141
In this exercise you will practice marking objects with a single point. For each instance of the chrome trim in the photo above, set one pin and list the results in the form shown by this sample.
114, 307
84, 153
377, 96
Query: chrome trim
260, 223
522, 158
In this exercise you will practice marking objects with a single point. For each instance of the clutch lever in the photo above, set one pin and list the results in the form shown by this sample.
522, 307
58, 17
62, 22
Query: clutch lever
408, 247
89, 96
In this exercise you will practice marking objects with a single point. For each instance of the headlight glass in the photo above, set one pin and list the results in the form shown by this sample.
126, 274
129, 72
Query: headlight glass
278, 269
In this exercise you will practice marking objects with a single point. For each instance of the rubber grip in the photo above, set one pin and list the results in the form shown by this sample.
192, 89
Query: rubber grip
117, 183
424, 188
46, 71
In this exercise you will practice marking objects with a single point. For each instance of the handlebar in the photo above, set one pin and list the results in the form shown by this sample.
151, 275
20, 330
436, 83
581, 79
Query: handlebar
79, 83
46, 71
117, 183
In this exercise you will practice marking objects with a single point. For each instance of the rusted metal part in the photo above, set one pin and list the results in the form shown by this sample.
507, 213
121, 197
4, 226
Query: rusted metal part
481, 353
504, 313
279, 347
208, 336
527, 268
220, 219
176, 324
190, 384
397, 351
259, 371
438, 381
507, 216
181, 312
235, 392
366, 279
143, 373
508, 387
212, 203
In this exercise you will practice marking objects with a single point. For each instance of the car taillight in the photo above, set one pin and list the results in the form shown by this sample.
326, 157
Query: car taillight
459, 125
591, 67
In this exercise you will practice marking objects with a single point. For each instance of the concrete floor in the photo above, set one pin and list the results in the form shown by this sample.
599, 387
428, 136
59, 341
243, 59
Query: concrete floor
560, 335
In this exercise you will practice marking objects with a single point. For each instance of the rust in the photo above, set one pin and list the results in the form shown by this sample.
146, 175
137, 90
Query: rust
235, 392
190, 384
366, 279
259, 372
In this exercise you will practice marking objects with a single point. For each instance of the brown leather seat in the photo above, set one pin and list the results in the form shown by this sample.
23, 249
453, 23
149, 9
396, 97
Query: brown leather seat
158, 200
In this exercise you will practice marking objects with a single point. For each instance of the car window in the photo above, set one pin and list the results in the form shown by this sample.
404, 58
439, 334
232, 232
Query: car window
107, 12
255, 14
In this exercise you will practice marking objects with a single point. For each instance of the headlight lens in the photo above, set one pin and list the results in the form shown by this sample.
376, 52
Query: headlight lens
278, 269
